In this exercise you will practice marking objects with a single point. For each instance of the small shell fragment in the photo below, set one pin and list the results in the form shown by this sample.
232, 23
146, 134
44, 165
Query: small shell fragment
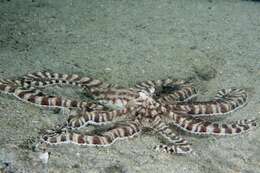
44, 157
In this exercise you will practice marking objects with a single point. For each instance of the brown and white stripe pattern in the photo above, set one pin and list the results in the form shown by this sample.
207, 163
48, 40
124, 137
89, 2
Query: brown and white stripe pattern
59, 78
177, 145
184, 94
201, 127
226, 101
146, 85
37, 97
115, 98
105, 139
7, 88
173, 149
112, 93
82, 118
165, 131
152, 104
44, 79
24, 89
5, 84
169, 90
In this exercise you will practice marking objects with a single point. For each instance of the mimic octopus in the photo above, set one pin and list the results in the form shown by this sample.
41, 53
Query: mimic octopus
149, 104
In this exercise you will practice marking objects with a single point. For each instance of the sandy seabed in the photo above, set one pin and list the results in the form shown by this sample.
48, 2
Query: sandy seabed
214, 43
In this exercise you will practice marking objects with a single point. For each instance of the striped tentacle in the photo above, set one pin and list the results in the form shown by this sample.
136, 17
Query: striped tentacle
81, 118
42, 83
15, 82
115, 98
43, 79
226, 101
10, 85
169, 90
201, 127
39, 98
105, 139
173, 149
156, 84
177, 145
50, 78
111, 93
183, 93
7, 87
149, 86
19, 89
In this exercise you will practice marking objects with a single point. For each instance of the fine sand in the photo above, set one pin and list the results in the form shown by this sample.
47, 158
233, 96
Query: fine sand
216, 44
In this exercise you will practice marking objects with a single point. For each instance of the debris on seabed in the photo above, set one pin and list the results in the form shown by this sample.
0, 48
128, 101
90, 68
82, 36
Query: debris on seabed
44, 157
44, 154
108, 69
